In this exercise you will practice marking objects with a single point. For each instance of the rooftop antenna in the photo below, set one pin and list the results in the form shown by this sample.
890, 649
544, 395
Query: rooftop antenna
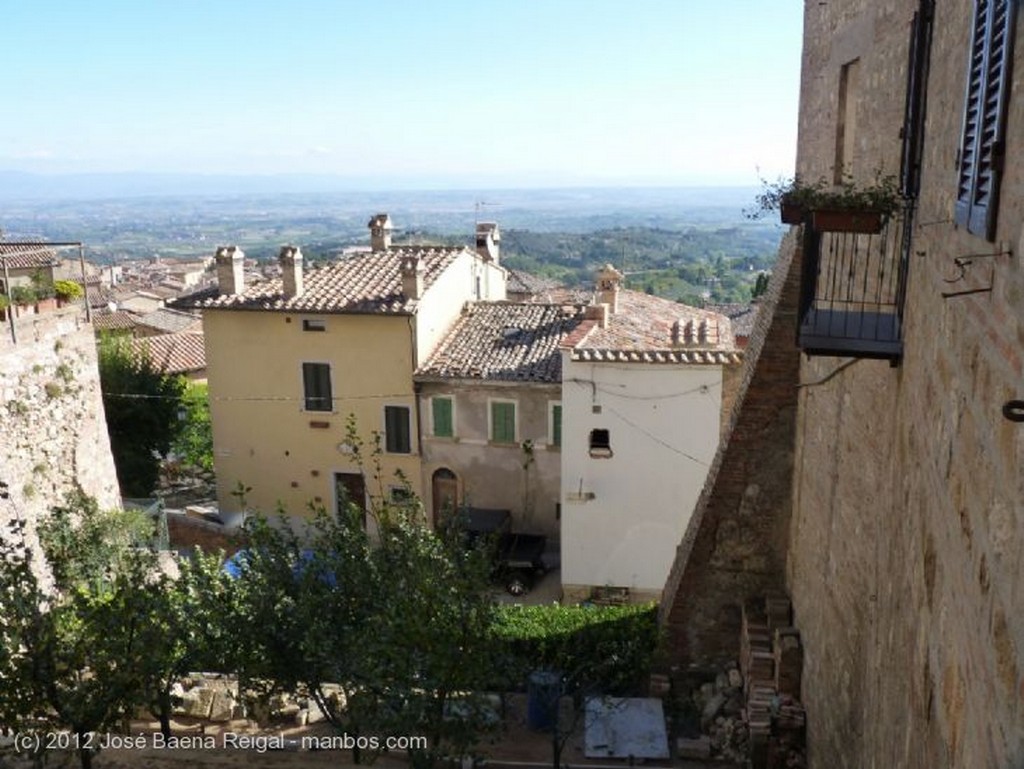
479, 205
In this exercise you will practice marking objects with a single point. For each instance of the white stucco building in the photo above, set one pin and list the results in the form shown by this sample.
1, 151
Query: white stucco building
642, 400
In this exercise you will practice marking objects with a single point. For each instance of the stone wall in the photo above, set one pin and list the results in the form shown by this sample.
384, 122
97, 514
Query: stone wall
905, 562
906, 513
54, 433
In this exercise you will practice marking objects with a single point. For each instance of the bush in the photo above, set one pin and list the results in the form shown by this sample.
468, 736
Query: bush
23, 295
596, 648
67, 290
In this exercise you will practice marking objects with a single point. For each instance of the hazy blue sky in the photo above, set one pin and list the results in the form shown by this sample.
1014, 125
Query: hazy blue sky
491, 92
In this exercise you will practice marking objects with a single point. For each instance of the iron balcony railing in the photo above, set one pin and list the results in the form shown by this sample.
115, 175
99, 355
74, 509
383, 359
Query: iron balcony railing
852, 291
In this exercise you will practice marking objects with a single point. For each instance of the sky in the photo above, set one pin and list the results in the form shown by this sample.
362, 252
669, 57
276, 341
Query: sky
427, 92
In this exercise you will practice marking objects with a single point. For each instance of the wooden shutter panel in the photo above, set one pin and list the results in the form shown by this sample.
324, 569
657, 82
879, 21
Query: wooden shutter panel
556, 425
503, 422
982, 147
442, 417
914, 108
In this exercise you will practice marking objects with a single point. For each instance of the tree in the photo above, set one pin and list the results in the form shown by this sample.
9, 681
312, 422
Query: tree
142, 406
760, 285
194, 442
72, 655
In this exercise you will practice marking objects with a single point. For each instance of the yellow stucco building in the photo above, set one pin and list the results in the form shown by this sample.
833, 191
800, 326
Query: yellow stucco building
290, 358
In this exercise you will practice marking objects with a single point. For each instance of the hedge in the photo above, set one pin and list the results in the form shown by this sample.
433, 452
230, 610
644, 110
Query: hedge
600, 649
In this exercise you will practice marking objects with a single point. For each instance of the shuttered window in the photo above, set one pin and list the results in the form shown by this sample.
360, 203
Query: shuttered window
982, 148
503, 422
556, 424
442, 414
316, 384
396, 430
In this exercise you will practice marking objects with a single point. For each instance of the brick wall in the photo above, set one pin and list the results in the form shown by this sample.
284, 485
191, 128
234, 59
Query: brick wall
734, 547
908, 514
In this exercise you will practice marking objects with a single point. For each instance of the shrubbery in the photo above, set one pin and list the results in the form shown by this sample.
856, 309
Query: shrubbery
606, 649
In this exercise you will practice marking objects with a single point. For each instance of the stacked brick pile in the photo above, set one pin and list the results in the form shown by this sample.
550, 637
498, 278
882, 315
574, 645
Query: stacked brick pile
771, 660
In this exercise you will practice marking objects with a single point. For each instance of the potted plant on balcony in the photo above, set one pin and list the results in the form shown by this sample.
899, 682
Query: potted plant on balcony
67, 291
22, 297
850, 207
847, 207
792, 198
42, 284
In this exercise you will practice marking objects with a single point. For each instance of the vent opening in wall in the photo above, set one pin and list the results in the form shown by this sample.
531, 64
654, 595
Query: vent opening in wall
312, 324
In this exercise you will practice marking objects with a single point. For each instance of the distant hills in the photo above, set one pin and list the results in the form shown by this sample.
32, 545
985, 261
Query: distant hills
29, 187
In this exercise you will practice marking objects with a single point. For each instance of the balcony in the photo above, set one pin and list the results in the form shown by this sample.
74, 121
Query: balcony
852, 290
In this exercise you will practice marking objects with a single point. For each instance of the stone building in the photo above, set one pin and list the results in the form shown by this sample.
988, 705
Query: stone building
292, 358
880, 480
645, 384
491, 400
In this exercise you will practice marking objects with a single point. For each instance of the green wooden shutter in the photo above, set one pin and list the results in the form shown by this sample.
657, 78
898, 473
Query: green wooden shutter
556, 425
442, 410
503, 422
396, 430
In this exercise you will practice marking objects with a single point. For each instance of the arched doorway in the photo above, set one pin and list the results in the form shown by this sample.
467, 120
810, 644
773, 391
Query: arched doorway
444, 486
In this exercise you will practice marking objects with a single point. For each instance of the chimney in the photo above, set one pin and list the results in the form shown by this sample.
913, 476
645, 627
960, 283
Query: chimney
682, 332
291, 271
230, 261
608, 280
488, 239
380, 232
598, 312
412, 272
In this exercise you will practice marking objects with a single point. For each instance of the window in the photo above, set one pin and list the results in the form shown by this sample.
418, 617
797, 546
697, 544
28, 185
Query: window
600, 443
312, 324
396, 430
402, 497
982, 148
441, 413
555, 431
503, 421
316, 384
846, 124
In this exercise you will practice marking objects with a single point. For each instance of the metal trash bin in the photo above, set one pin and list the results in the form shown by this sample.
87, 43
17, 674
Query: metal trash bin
543, 690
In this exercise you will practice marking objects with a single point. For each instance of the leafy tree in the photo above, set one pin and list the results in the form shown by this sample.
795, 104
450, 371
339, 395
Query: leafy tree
760, 285
142, 406
72, 655
195, 441
184, 630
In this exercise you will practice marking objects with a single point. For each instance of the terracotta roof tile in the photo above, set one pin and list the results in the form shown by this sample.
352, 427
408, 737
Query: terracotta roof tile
741, 315
363, 283
114, 321
641, 331
173, 353
169, 321
520, 282
504, 342
21, 257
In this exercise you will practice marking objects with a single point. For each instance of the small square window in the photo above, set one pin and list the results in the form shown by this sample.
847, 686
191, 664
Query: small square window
313, 324
600, 443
